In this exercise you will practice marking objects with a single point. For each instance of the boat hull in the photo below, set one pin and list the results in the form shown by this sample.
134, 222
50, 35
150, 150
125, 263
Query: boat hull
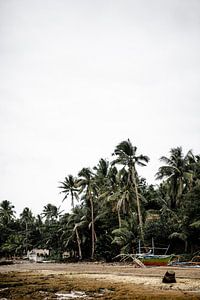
155, 260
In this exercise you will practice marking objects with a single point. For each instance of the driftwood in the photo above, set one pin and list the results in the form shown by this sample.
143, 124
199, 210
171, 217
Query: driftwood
139, 263
135, 261
169, 277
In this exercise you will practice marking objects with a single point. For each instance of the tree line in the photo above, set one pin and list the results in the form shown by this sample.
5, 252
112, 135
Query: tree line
113, 208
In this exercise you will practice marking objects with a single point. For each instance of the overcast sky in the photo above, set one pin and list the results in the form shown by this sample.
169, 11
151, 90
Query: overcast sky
78, 77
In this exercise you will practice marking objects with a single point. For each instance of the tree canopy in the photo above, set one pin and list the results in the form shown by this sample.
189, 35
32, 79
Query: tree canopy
115, 208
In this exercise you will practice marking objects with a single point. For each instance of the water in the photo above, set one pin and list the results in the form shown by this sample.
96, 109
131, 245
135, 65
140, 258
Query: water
70, 295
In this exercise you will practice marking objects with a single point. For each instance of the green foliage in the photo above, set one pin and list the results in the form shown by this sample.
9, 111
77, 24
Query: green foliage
125, 236
116, 209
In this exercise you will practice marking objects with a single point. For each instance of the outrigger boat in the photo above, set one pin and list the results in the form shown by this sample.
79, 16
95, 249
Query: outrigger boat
152, 259
194, 262
149, 258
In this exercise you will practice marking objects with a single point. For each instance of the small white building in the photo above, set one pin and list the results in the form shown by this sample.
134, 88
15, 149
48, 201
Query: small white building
37, 255
66, 254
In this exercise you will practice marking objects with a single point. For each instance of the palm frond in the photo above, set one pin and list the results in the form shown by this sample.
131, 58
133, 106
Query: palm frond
181, 236
195, 224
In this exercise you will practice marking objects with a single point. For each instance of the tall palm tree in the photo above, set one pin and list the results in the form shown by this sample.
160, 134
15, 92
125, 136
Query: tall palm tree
126, 156
176, 172
26, 218
69, 187
87, 185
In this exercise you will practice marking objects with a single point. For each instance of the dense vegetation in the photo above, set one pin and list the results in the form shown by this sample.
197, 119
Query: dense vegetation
112, 209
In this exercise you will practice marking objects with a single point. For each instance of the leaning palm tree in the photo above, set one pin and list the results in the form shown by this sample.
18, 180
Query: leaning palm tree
126, 156
177, 174
86, 183
69, 187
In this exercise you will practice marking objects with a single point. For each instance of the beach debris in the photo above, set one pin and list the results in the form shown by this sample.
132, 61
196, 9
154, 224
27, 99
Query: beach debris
169, 277
70, 295
135, 261
67, 295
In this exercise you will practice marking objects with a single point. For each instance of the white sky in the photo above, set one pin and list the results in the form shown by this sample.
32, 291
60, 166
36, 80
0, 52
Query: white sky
78, 77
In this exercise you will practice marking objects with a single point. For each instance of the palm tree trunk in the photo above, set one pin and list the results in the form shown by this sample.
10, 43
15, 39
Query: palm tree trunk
119, 218
76, 230
92, 225
79, 243
186, 245
72, 198
138, 205
26, 236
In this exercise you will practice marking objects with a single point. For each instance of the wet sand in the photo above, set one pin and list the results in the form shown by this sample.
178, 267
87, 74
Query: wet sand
96, 280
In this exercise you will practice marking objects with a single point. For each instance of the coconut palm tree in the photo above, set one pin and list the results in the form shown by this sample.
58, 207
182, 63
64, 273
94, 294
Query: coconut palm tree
27, 219
125, 236
76, 223
177, 174
69, 187
194, 169
51, 212
120, 194
6, 212
87, 185
126, 156
102, 174
13, 245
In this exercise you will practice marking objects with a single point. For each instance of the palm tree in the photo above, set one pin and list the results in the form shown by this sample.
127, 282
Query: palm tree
102, 174
120, 194
6, 212
13, 245
125, 236
69, 187
51, 212
76, 222
26, 217
194, 169
87, 185
126, 155
177, 174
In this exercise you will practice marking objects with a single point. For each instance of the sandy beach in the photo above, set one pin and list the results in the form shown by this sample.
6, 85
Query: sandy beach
95, 280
